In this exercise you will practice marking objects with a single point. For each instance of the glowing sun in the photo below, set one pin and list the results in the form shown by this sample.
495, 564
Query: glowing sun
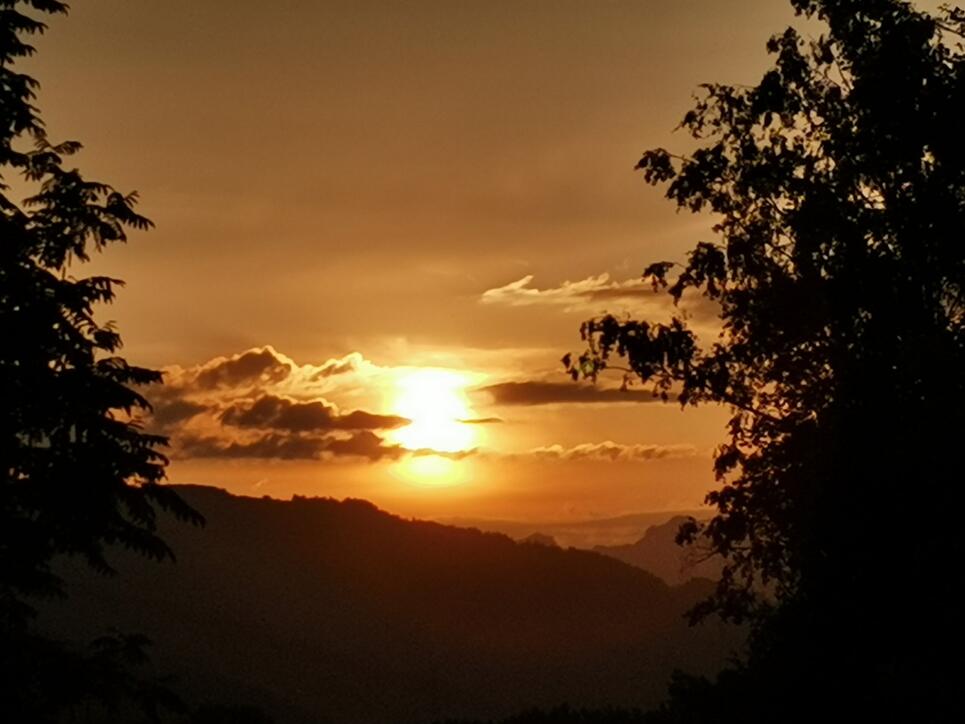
435, 401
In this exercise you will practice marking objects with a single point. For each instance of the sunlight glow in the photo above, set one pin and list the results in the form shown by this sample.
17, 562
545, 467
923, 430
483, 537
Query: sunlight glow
435, 472
431, 469
435, 401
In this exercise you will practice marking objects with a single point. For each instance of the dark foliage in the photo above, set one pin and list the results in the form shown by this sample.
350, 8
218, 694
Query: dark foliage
838, 186
213, 714
569, 715
77, 473
46, 681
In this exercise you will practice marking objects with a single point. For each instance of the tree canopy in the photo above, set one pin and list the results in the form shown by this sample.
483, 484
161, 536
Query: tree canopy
77, 472
837, 188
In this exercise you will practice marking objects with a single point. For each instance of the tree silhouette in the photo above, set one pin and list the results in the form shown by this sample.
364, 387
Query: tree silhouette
78, 473
838, 189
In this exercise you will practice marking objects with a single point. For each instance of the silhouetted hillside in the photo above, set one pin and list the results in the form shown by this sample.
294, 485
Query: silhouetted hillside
318, 610
659, 553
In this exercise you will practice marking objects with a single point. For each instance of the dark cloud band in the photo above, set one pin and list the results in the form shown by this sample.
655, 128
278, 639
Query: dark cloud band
282, 413
290, 447
556, 393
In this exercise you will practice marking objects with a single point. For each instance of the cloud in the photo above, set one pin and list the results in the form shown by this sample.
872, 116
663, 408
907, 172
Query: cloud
612, 452
281, 413
172, 411
362, 420
256, 366
364, 444
277, 446
260, 404
339, 366
448, 454
588, 294
519, 293
272, 445
538, 392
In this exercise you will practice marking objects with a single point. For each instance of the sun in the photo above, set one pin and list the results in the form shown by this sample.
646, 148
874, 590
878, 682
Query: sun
435, 401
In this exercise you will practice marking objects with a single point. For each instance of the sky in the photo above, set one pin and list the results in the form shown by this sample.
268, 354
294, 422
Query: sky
379, 227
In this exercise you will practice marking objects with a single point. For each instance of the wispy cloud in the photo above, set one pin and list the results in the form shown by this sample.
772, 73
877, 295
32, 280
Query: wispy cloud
339, 366
568, 294
612, 451
600, 293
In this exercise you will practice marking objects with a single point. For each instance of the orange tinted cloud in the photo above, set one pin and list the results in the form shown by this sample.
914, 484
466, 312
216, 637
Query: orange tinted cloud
611, 451
256, 366
596, 292
260, 404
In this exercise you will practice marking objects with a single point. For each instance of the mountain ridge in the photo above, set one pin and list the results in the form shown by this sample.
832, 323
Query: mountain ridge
306, 607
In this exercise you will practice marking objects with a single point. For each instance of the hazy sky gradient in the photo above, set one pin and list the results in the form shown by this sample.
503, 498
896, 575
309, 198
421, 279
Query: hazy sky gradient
351, 177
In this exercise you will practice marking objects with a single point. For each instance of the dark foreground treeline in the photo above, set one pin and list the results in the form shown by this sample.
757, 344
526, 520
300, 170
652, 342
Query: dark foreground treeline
315, 610
568, 715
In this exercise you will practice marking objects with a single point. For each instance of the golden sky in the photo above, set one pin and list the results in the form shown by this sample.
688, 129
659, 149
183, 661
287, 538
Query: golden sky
379, 226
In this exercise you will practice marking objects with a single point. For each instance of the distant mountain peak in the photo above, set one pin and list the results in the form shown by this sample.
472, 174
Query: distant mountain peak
658, 552
540, 539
